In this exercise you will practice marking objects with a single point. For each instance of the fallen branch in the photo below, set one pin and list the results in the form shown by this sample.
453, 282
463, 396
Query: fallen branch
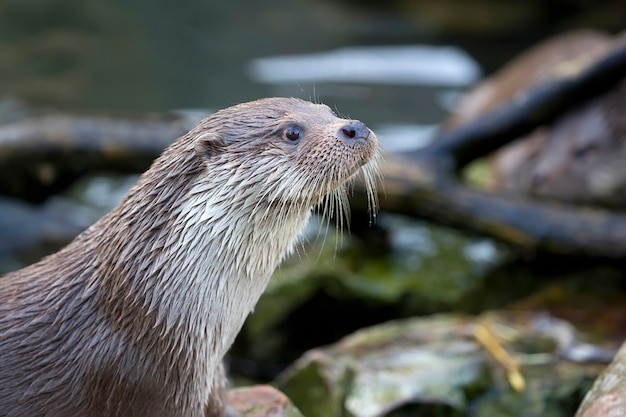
554, 228
40, 157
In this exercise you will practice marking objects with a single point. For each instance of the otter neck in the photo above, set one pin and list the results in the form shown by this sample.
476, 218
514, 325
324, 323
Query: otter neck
229, 248
190, 267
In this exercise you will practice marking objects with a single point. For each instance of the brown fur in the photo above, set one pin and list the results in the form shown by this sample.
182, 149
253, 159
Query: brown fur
133, 317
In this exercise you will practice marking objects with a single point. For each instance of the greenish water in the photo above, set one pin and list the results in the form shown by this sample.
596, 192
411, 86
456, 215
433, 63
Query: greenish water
140, 55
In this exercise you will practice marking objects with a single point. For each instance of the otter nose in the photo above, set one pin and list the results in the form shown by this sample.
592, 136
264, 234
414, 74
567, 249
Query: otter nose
354, 131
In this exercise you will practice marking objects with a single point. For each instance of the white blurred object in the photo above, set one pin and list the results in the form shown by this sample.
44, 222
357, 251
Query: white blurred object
400, 65
403, 137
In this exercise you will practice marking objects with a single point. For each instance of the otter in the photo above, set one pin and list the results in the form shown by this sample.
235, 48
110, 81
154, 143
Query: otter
134, 316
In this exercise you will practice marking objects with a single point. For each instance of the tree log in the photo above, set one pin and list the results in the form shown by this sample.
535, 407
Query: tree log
412, 189
42, 156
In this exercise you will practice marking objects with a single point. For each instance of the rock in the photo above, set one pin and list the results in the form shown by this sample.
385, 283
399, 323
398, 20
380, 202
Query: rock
379, 369
500, 363
261, 401
607, 397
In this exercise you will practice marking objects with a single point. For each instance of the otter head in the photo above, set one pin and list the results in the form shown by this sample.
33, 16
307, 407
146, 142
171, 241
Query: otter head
288, 152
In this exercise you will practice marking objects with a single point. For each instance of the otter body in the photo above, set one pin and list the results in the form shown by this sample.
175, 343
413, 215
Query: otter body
134, 316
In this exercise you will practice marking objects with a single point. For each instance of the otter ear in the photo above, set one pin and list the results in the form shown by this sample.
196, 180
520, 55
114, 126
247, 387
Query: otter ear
209, 144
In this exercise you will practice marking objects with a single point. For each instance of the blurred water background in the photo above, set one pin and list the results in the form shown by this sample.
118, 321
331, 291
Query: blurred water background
396, 65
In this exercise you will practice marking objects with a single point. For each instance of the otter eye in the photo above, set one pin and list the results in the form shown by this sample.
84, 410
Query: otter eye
293, 133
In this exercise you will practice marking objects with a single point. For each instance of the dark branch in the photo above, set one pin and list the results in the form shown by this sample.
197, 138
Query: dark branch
520, 116
40, 157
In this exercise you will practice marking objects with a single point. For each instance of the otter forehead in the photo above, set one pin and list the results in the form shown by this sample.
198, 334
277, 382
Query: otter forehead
274, 108
278, 106
293, 109
267, 118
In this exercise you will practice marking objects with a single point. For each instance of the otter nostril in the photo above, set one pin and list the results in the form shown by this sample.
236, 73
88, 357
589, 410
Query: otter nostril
354, 130
349, 132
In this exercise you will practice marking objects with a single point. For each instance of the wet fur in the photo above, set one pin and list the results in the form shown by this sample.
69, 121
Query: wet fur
135, 315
